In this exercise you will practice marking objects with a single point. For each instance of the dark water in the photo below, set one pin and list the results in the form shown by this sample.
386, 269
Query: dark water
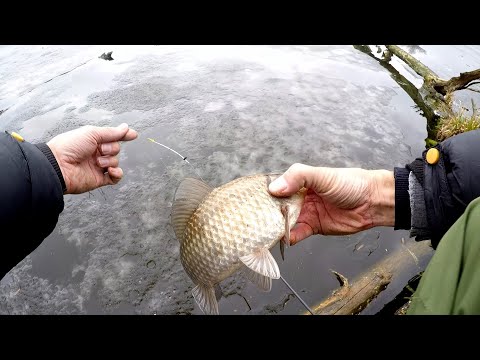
233, 111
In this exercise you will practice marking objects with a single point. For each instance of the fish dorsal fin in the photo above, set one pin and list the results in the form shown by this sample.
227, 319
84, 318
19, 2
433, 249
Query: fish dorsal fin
188, 196
262, 262
206, 299
264, 283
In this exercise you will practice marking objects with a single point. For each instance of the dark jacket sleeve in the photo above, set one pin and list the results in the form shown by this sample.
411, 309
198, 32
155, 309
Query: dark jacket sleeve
448, 185
31, 199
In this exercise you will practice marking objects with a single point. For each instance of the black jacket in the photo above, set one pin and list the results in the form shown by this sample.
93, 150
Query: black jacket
31, 199
449, 185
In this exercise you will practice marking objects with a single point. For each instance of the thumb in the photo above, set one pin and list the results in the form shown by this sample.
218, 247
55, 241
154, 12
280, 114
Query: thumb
110, 134
295, 178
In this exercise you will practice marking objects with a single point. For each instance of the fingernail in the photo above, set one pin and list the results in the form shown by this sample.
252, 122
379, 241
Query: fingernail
278, 185
123, 126
106, 148
103, 162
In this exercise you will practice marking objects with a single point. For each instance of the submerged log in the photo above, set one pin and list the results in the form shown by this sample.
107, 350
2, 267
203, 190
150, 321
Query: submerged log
352, 298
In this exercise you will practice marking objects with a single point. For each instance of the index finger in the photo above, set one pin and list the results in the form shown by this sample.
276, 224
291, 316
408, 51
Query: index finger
130, 135
296, 177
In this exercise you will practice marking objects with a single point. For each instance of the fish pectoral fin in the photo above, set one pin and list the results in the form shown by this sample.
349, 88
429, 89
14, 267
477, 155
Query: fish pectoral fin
218, 292
264, 283
205, 298
262, 262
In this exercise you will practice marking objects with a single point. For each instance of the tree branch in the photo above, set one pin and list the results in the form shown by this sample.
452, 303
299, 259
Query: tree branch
416, 65
457, 82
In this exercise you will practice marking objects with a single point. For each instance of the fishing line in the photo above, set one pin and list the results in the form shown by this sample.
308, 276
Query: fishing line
184, 158
298, 297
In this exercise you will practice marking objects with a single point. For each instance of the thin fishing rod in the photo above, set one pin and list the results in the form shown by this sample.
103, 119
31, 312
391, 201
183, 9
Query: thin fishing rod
184, 158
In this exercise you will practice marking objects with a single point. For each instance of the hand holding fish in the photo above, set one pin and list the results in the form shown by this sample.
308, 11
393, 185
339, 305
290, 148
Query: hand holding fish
339, 201
88, 158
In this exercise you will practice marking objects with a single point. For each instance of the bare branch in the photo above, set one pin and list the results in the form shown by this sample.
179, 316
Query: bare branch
416, 65
341, 279
457, 82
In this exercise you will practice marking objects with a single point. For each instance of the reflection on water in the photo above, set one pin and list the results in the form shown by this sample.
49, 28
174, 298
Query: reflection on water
233, 111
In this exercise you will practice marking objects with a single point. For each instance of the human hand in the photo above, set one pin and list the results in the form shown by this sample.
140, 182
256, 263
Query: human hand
88, 156
339, 201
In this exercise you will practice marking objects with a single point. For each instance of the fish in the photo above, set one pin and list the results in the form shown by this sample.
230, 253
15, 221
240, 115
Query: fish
231, 228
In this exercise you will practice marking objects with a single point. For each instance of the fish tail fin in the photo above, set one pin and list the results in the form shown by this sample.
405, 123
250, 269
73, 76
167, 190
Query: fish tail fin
206, 299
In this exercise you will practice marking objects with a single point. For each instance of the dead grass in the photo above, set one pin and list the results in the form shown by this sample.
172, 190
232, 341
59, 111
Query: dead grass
457, 124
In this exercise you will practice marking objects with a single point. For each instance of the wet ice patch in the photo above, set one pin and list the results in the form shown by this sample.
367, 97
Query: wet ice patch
240, 104
186, 66
214, 106
70, 109
26, 294
340, 52
124, 267
77, 237
95, 116
78, 269
149, 220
